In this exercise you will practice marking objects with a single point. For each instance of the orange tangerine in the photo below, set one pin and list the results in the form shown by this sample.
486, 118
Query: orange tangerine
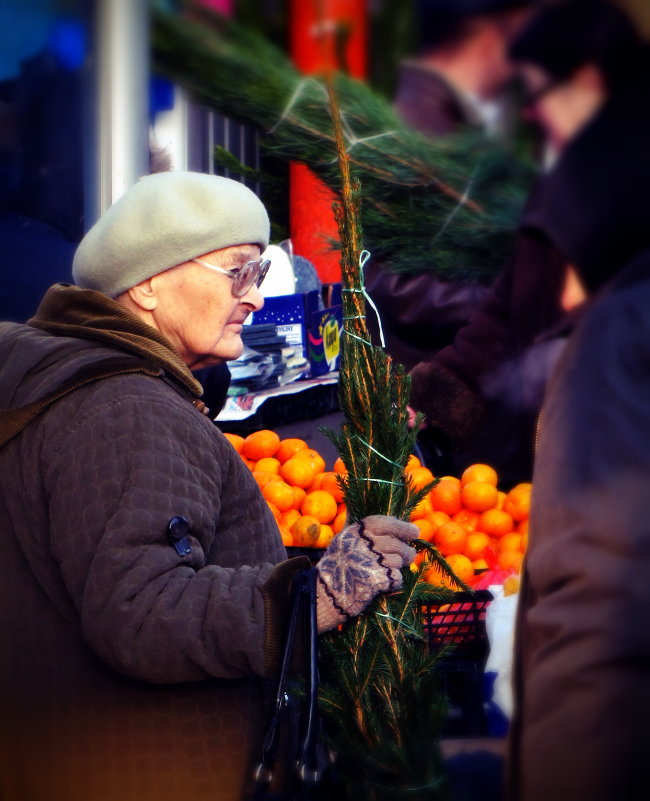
420, 477
268, 463
338, 524
426, 528
289, 447
316, 483
479, 472
478, 496
263, 477
235, 440
250, 464
511, 559
477, 542
289, 518
278, 493
321, 505
277, 514
438, 518
461, 565
501, 497
313, 457
435, 575
325, 536
259, 444
339, 466
454, 480
517, 502
522, 528
412, 462
298, 496
510, 542
495, 522
305, 531
298, 472
450, 538
422, 509
467, 518
458, 563
287, 536
480, 564
445, 497
330, 483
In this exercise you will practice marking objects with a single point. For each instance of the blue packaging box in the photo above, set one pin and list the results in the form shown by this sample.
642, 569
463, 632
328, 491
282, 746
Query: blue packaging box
302, 319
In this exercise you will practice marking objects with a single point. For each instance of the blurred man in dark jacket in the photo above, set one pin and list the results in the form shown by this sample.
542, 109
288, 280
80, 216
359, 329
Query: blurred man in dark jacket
482, 394
456, 81
582, 656
462, 67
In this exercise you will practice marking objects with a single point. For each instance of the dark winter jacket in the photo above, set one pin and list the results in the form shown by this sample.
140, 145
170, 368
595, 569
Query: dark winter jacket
484, 391
428, 103
582, 691
128, 671
421, 313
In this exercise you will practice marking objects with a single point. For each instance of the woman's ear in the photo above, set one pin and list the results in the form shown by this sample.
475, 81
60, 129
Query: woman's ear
144, 295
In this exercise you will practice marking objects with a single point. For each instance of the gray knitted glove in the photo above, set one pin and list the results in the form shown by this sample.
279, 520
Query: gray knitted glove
361, 561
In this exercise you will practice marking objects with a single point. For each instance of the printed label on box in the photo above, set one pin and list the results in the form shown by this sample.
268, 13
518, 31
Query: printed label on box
324, 340
293, 332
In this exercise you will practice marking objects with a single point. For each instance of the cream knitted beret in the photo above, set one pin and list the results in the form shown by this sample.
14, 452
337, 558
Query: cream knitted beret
163, 220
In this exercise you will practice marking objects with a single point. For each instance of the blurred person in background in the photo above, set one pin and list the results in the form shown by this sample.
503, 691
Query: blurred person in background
481, 396
144, 579
457, 80
582, 650
461, 72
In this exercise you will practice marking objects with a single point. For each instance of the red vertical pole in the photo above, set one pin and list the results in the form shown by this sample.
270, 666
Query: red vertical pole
322, 33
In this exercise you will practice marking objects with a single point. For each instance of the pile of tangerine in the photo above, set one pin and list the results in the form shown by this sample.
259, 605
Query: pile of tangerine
306, 500
471, 521
468, 519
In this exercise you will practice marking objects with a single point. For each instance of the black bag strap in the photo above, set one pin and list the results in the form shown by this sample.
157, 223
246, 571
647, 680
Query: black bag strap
13, 421
308, 767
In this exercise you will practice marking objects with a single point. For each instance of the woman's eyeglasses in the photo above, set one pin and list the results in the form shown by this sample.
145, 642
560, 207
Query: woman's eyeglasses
243, 278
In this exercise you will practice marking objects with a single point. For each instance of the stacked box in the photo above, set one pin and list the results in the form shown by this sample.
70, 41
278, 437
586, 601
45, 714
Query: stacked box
302, 319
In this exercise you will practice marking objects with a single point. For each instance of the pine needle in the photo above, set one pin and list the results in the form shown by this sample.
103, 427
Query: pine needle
448, 205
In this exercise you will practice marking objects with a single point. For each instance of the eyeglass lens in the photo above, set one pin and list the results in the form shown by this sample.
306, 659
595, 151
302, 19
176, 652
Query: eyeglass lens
251, 273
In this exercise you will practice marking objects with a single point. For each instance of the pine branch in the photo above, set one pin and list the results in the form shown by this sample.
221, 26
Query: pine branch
444, 205
381, 694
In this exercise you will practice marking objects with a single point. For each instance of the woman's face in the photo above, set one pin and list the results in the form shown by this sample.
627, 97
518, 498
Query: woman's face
197, 311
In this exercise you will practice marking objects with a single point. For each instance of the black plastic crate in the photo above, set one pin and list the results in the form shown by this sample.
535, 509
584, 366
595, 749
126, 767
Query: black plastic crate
460, 624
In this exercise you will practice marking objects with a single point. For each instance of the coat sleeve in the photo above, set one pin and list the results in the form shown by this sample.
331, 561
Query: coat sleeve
583, 646
447, 388
127, 463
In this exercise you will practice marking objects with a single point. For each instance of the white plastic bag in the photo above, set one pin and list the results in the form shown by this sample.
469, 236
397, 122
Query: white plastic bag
500, 629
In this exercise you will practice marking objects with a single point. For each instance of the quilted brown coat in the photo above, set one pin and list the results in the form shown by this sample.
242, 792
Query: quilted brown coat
127, 671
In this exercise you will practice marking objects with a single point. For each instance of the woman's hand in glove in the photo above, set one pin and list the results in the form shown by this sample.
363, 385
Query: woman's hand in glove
363, 560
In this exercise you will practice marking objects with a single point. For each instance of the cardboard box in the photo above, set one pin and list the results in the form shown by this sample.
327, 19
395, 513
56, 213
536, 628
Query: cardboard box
303, 321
